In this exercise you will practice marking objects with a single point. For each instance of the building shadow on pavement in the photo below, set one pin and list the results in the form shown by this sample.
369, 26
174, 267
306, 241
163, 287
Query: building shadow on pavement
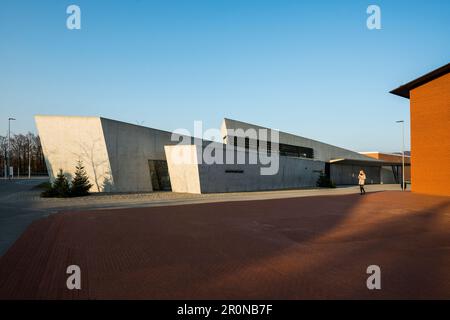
294, 248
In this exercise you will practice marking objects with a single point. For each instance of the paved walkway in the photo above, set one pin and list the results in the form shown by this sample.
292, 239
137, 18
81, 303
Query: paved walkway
292, 248
21, 204
16, 209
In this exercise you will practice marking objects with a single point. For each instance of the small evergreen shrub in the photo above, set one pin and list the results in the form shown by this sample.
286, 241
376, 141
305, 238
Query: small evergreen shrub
48, 192
61, 188
80, 183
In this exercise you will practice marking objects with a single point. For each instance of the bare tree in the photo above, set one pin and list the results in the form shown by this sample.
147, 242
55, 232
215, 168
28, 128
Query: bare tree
25, 152
3, 152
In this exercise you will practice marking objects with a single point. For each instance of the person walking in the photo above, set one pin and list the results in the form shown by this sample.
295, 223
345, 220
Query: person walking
362, 181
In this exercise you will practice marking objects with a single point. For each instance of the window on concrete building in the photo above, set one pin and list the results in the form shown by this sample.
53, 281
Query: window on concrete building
296, 151
239, 140
234, 171
269, 148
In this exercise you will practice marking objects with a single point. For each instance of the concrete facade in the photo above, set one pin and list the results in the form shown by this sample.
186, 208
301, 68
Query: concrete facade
122, 157
347, 174
196, 176
115, 154
340, 172
293, 171
184, 176
322, 151
130, 147
65, 140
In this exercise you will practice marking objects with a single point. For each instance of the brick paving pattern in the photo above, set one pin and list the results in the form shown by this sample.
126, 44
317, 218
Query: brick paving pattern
295, 248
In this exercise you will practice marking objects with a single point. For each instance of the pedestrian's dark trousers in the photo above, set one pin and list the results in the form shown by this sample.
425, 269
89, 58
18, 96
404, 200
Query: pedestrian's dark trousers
361, 189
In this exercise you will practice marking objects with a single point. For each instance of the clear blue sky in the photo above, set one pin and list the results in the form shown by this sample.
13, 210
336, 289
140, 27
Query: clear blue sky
307, 67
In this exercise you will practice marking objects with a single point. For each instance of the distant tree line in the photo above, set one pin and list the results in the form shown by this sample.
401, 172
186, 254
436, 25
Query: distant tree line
25, 149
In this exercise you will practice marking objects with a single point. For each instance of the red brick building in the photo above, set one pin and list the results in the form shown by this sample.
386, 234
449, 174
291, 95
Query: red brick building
430, 131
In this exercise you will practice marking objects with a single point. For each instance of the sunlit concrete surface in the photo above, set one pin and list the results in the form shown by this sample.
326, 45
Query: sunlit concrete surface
115, 154
66, 140
292, 248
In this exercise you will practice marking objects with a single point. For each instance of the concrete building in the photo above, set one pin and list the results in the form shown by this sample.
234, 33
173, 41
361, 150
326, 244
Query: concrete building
430, 130
122, 157
391, 171
196, 176
300, 162
118, 156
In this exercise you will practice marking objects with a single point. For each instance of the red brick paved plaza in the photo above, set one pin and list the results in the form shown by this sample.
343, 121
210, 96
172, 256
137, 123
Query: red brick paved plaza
297, 248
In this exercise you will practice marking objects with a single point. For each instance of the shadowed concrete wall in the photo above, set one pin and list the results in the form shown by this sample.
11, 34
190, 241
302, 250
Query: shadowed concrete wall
387, 175
348, 174
129, 149
292, 173
65, 140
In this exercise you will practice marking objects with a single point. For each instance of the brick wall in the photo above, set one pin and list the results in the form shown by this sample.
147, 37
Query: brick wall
430, 137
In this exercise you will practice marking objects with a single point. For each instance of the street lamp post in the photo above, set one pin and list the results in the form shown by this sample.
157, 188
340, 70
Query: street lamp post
9, 146
29, 157
403, 152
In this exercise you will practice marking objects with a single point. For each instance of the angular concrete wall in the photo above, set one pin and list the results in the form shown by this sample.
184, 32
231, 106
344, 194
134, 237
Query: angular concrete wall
115, 154
184, 176
322, 151
129, 149
199, 177
65, 140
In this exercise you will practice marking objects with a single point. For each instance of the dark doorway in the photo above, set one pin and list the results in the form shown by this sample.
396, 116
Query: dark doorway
327, 170
159, 175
